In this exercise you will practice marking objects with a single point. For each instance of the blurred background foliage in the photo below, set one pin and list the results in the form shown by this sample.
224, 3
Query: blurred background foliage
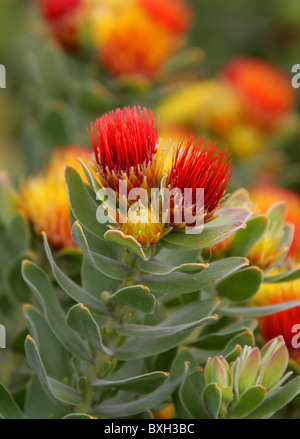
52, 95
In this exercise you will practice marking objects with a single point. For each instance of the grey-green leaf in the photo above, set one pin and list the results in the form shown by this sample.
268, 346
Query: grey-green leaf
81, 320
142, 384
137, 297
241, 285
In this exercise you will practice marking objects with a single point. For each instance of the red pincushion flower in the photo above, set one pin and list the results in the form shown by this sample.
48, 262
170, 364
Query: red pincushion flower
124, 141
175, 15
196, 167
264, 89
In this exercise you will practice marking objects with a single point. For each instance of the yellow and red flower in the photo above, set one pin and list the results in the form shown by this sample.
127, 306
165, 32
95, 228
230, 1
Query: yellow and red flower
280, 323
134, 44
126, 148
62, 18
44, 201
264, 195
265, 90
210, 105
175, 15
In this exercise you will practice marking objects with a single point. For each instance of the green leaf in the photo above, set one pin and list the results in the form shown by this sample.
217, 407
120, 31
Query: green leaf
178, 366
78, 416
191, 312
94, 282
40, 284
220, 339
51, 386
80, 320
129, 242
8, 407
83, 205
89, 176
145, 347
180, 283
245, 338
212, 397
161, 331
143, 384
245, 239
158, 268
229, 221
107, 266
175, 257
14, 276
148, 402
137, 296
239, 198
277, 400
277, 215
69, 286
259, 311
242, 285
190, 396
57, 363
46, 407
286, 276
249, 401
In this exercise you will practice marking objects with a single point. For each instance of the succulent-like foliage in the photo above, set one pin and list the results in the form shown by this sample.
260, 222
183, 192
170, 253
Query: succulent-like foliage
121, 329
241, 389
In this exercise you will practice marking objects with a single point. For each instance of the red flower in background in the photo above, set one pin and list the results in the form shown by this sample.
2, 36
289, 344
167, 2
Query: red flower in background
265, 90
56, 9
62, 19
135, 44
280, 323
175, 15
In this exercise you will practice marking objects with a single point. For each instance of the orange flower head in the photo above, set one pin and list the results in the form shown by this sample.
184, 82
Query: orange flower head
264, 195
62, 19
135, 45
126, 149
175, 15
44, 201
280, 323
264, 89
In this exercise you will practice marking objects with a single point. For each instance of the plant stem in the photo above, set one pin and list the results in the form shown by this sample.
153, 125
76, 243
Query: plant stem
91, 390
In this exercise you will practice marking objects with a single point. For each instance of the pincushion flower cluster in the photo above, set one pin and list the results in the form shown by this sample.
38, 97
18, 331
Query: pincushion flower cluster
250, 101
135, 37
126, 147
